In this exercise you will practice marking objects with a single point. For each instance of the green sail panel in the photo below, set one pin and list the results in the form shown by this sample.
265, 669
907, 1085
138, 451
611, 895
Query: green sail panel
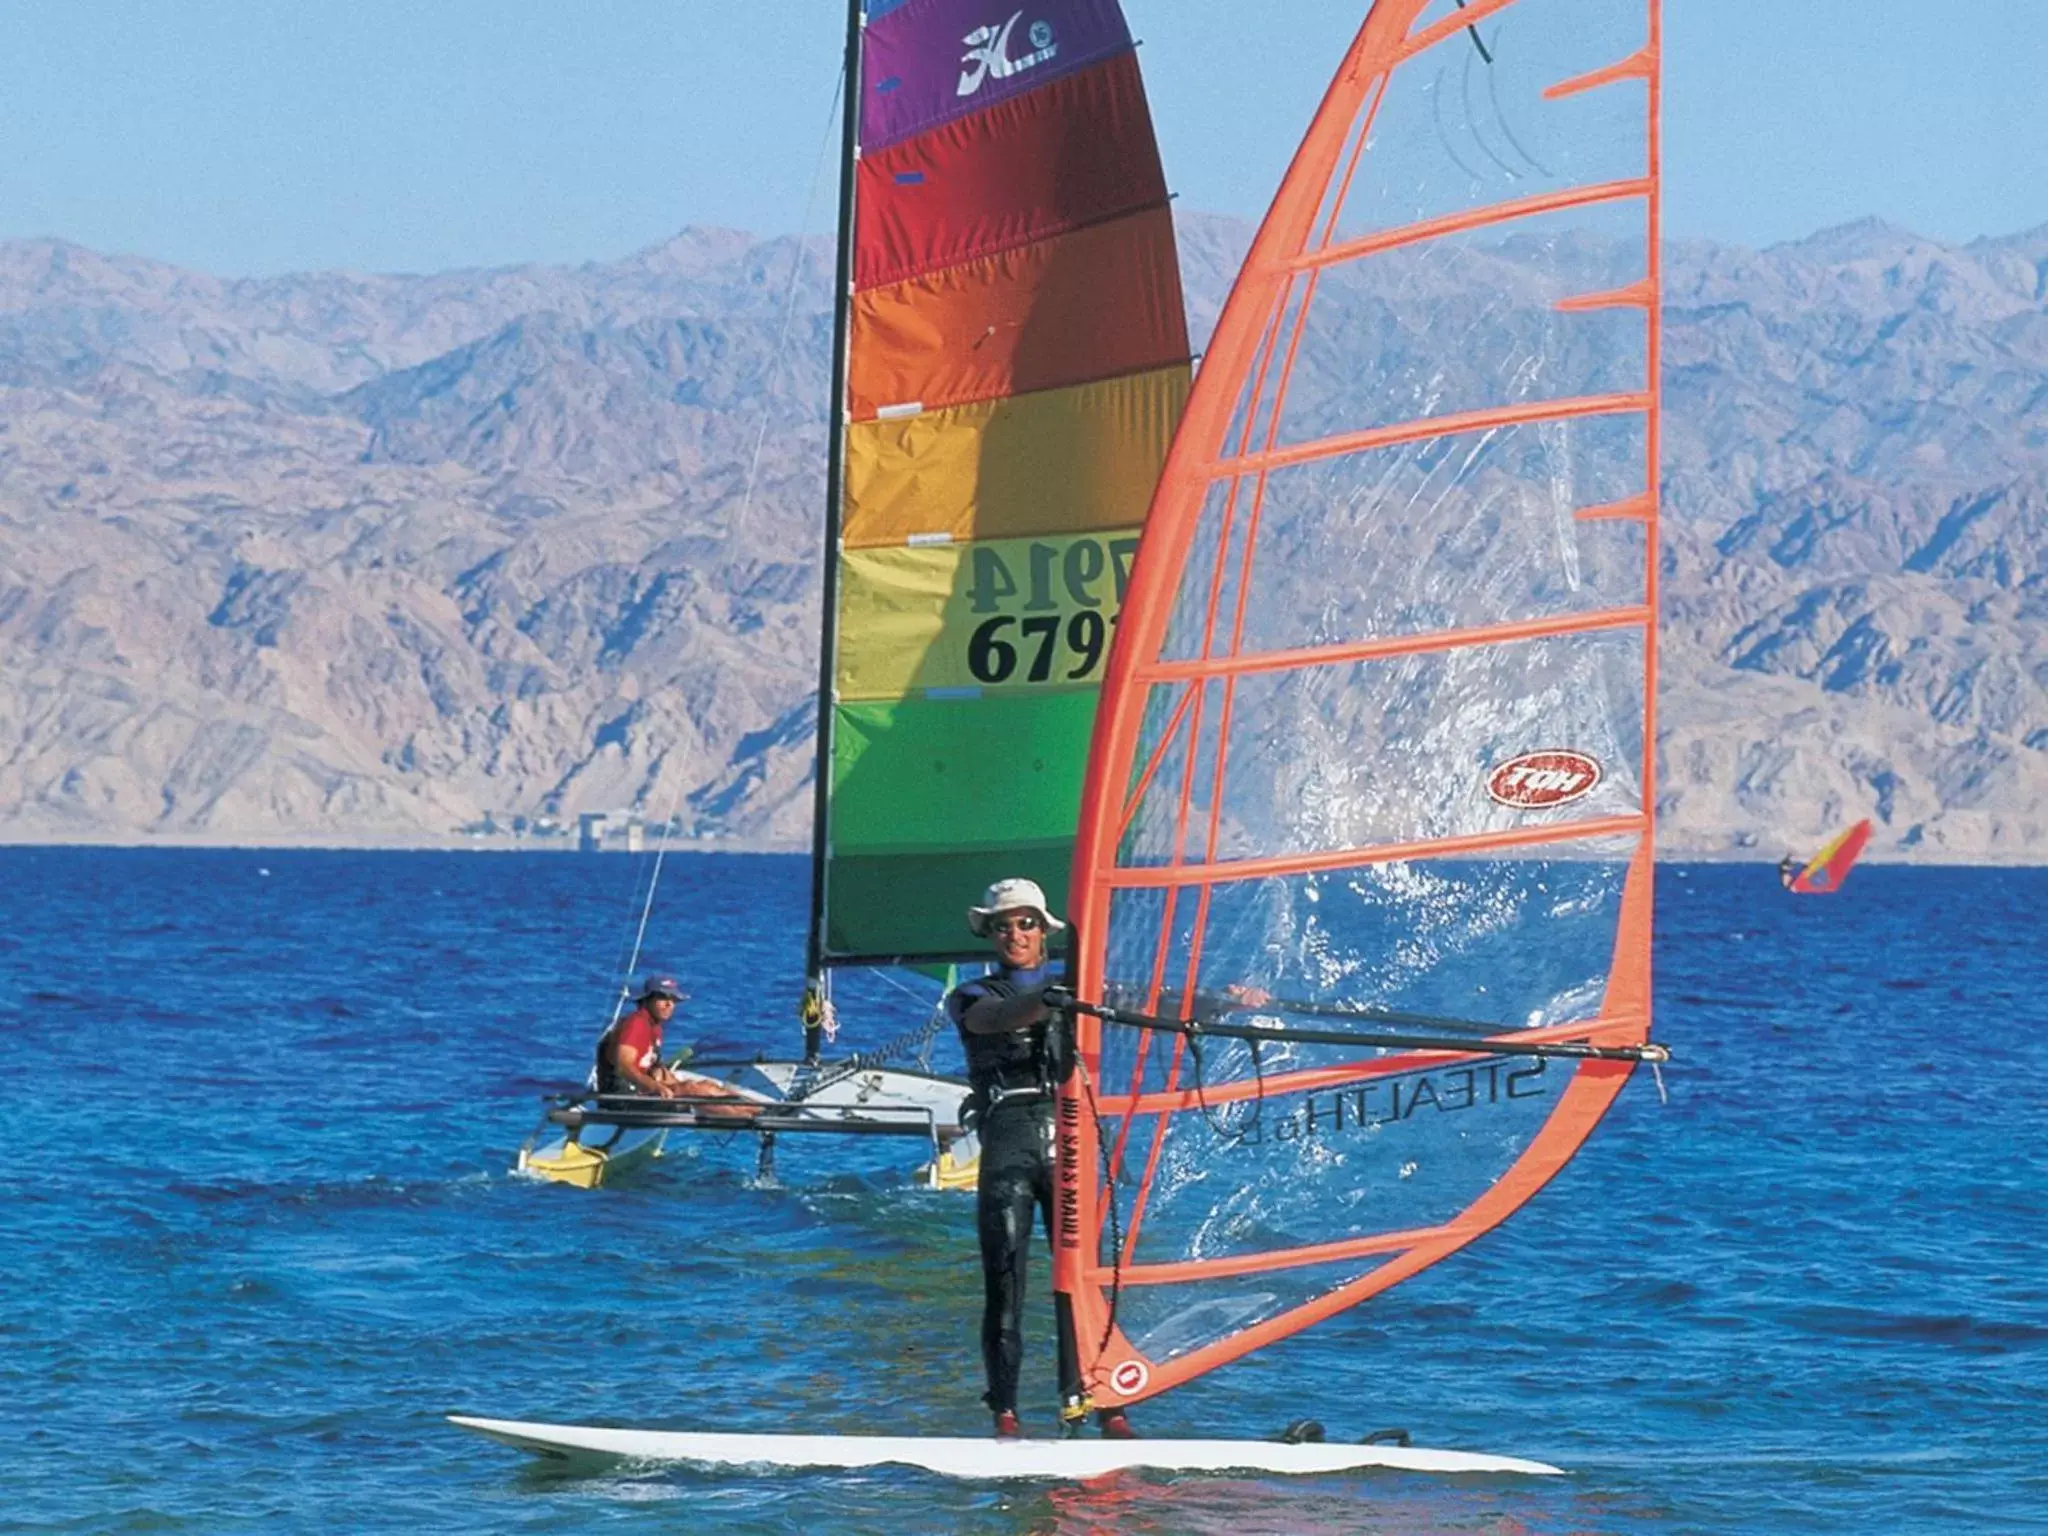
919, 784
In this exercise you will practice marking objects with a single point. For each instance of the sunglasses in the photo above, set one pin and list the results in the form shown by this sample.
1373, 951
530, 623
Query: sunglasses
1024, 923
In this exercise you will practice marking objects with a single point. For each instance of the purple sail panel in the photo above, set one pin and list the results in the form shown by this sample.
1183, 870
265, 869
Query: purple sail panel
926, 62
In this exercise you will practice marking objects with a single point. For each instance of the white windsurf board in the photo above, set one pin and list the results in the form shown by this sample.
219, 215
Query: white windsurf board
983, 1459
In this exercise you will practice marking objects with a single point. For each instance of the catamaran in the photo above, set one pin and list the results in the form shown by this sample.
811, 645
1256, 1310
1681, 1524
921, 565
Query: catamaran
1010, 360
590, 1139
1363, 877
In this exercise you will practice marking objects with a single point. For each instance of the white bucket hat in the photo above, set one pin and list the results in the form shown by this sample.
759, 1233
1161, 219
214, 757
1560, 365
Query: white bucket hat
1008, 896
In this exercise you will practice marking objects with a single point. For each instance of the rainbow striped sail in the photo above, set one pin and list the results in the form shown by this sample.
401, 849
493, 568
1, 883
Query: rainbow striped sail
1013, 359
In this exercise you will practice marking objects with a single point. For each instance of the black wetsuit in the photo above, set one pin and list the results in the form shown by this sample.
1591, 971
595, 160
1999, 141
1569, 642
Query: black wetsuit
1013, 1097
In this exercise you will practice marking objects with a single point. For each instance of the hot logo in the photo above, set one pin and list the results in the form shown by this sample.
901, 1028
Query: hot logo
1535, 781
988, 53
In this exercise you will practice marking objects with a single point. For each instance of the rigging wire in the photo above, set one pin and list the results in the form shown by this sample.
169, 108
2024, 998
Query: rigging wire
1251, 1121
1472, 121
919, 1040
627, 958
789, 303
1436, 108
796, 268
864, 1061
1477, 41
1116, 1236
1501, 116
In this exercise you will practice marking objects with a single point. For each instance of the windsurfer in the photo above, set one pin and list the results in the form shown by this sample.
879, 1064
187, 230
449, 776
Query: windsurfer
1005, 1026
629, 1058
1788, 870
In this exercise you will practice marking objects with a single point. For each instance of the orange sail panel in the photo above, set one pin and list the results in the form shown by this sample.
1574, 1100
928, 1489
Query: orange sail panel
1092, 304
1377, 734
1017, 360
1826, 871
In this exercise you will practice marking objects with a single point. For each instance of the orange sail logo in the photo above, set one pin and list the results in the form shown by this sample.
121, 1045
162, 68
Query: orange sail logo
1536, 781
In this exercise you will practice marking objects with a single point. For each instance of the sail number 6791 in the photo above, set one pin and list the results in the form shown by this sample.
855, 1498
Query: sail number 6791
1060, 630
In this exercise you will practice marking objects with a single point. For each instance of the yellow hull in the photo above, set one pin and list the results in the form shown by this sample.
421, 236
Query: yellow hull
958, 1167
582, 1167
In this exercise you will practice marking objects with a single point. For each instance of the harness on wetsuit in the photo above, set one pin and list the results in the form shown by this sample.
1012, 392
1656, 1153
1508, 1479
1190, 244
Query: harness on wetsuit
1017, 1065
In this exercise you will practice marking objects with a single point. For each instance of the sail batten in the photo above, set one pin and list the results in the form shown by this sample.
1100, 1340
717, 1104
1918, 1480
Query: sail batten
1377, 733
1488, 216
1423, 428
1138, 877
1239, 663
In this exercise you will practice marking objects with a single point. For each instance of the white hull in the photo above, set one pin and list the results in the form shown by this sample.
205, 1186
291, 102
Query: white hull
605, 1138
878, 1088
985, 1460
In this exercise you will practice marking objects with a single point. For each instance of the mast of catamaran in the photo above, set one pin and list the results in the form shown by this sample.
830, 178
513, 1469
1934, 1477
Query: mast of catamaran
835, 479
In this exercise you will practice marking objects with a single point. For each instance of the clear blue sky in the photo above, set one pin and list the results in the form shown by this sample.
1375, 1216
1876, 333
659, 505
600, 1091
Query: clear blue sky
258, 136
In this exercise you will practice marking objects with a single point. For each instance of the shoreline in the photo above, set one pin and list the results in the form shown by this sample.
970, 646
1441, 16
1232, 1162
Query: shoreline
397, 842
556, 846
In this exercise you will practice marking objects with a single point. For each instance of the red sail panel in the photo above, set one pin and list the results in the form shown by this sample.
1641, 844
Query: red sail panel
1075, 152
1094, 304
1830, 867
1377, 734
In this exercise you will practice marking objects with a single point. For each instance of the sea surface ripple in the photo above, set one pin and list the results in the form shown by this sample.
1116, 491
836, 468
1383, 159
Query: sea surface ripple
259, 1233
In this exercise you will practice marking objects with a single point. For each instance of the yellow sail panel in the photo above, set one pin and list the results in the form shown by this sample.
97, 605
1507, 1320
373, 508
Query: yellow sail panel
1060, 461
994, 615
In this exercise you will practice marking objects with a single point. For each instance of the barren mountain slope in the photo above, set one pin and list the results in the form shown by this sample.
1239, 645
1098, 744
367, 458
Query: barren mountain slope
337, 555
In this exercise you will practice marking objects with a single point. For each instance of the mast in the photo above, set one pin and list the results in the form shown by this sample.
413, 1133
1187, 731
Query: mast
835, 475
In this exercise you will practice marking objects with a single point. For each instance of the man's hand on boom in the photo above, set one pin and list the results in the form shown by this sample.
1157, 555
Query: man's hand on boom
1007, 1015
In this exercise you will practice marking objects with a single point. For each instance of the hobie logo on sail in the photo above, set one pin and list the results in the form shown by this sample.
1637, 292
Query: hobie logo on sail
1538, 780
988, 53
1130, 1377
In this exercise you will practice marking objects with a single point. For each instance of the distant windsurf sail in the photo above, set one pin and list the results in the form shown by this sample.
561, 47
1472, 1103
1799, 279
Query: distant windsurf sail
1013, 359
1826, 871
1375, 758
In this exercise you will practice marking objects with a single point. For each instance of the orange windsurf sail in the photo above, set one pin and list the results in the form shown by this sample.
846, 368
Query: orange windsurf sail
1371, 786
1826, 871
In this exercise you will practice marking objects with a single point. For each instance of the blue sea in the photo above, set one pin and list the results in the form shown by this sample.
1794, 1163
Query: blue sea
259, 1233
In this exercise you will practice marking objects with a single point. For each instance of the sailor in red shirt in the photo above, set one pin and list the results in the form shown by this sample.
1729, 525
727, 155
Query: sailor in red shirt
629, 1055
629, 1058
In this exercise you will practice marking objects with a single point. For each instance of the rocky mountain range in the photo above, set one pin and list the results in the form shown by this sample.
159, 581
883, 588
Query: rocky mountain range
334, 557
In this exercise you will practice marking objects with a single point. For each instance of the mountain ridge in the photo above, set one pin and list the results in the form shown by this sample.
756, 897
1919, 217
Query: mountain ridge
376, 556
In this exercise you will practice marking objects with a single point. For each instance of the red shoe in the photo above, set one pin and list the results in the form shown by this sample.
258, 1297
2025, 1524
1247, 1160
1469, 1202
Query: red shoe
1114, 1425
1007, 1427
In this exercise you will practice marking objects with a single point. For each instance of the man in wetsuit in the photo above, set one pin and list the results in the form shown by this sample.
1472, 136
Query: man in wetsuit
1004, 1026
